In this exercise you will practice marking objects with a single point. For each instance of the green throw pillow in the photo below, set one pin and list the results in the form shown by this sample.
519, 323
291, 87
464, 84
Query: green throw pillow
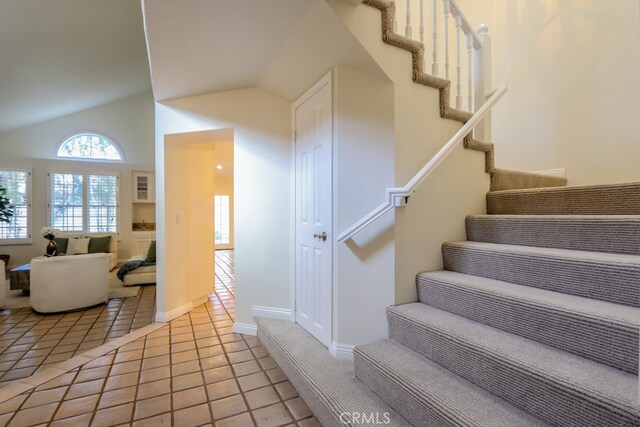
61, 243
151, 253
99, 245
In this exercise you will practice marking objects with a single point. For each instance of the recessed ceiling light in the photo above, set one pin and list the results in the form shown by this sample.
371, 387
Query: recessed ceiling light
219, 167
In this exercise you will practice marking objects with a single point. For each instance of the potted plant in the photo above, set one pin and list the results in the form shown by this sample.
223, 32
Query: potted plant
6, 213
49, 234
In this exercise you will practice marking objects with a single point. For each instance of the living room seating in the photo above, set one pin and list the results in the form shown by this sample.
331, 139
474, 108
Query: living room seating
113, 244
65, 283
142, 275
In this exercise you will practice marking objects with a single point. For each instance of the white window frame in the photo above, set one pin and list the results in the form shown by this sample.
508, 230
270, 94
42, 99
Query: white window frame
27, 240
85, 197
89, 159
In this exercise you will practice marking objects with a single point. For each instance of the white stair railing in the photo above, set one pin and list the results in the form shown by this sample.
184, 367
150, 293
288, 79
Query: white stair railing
396, 197
472, 66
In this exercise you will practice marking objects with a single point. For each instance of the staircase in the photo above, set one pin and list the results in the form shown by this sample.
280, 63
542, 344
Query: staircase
535, 319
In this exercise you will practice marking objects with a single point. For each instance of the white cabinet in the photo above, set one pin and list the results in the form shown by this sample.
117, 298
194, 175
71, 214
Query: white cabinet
141, 241
144, 187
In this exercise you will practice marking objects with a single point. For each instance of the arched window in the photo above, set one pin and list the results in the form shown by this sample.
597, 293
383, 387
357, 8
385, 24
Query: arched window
90, 146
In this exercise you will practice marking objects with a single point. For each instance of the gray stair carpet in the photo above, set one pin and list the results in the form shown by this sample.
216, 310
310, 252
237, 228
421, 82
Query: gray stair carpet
607, 277
598, 330
600, 233
504, 179
328, 386
428, 395
558, 387
615, 199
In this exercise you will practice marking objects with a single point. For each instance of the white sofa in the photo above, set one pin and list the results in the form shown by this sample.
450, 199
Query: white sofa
65, 283
142, 275
113, 244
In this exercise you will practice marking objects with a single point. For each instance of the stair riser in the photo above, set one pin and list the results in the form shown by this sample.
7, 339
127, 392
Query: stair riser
607, 200
614, 283
389, 389
547, 399
598, 235
610, 343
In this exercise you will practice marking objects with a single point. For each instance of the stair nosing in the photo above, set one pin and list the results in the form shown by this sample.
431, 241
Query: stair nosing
619, 401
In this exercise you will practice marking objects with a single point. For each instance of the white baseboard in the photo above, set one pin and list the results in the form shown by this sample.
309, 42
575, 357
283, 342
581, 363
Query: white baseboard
245, 328
196, 302
561, 172
341, 351
172, 314
271, 312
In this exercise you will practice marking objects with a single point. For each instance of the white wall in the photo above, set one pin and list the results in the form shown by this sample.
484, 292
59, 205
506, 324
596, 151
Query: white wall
436, 212
572, 69
128, 122
363, 168
262, 177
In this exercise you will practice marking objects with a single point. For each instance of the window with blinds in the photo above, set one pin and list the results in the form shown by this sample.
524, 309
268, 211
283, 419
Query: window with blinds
84, 203
18, 185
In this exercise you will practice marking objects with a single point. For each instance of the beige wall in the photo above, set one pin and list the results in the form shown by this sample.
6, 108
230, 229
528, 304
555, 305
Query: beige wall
572, 69
436, 212
363, 168
261, 130
128, 122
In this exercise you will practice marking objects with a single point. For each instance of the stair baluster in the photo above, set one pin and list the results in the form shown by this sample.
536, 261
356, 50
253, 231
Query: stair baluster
407, 28
458, 64
422, 21
446, 39
470, 70
434, 63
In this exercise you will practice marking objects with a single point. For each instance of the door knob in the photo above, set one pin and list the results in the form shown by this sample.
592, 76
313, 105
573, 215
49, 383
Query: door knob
322, 236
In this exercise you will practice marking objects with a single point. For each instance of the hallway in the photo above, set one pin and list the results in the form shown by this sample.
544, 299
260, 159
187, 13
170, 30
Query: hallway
193, 371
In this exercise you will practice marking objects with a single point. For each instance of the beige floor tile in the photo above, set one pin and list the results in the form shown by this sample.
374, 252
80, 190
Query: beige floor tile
242, 420
286, 390
311, 422
222, 389
158, 420
13, 404
117, 397
155, 374
193, 416
92, 374
298, 408
113, 416
121, 381
77, 421
267, 363
253, 381
246, 368
228, 406
185, 368
261, 397
85, 389
218, 374
150, 407
78, 406
44, 397
272, 416
189, 397
153, 389
34, 416
184, 382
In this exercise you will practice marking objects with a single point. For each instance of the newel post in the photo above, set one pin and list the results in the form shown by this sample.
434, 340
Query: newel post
482, 83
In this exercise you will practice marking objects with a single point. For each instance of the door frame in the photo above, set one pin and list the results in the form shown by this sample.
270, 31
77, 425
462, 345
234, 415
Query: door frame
327, 79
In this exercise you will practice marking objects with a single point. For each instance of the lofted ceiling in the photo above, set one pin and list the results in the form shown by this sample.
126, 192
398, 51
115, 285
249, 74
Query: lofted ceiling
60, 57
282, 46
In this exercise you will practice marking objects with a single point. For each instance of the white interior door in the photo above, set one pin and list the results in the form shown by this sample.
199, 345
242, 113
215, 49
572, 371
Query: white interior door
314, 235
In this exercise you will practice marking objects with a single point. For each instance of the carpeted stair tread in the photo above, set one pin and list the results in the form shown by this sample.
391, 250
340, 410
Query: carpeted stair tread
599, 233
428, 395
613, 199
604, 276
327, 385
598, 330
559, 387
504, 179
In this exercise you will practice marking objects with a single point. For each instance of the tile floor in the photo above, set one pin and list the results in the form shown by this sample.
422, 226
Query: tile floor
193, 371
30, 342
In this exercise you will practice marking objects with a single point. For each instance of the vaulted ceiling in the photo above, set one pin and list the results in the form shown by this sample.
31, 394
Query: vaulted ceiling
63, 56
282, 46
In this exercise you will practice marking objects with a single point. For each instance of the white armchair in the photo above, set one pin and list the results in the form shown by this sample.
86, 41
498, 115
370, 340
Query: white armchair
67, 283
